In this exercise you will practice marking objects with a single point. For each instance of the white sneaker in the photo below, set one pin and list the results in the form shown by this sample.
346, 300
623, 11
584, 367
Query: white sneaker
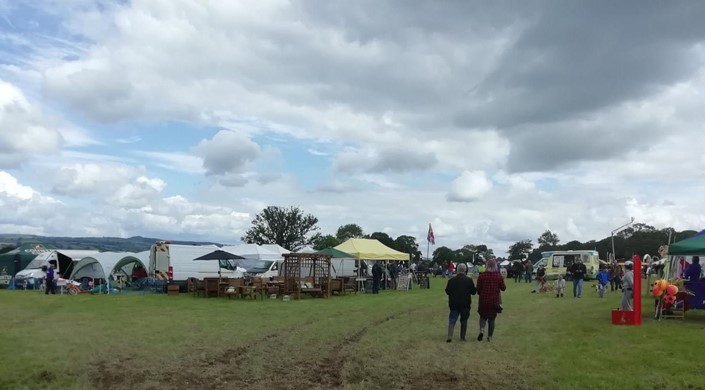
489, 339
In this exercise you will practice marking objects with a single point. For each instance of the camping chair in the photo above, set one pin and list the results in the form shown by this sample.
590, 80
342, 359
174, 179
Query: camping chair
677, 311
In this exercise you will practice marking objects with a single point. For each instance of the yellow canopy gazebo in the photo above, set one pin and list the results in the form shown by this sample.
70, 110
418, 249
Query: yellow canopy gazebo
368, 249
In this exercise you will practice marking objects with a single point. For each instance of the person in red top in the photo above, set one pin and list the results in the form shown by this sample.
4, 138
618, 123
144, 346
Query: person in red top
451, 269
489, 286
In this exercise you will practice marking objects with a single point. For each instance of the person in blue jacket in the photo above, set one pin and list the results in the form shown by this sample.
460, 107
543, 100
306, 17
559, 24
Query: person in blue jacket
603, 278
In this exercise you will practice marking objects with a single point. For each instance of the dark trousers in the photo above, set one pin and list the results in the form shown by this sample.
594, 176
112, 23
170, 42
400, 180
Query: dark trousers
50, 286
375, 286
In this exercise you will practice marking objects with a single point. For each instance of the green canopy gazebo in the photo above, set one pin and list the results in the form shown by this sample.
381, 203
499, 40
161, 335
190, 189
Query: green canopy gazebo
691, 246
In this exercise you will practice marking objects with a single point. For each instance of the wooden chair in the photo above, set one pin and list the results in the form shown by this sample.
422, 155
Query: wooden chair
349, 286
273, 289
196, 287
259, 286
212, 287
336, 286
236, 284
248, 291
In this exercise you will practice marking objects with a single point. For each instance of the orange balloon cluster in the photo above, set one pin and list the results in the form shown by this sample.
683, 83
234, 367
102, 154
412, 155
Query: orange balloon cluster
662, 286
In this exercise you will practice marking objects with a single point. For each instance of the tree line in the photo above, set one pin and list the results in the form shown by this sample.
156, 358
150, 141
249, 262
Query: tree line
639, 239
293, 229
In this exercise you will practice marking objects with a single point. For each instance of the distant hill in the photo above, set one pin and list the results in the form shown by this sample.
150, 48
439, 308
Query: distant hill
108, 244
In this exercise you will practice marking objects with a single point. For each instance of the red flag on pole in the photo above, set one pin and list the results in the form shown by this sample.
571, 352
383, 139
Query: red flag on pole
431, 238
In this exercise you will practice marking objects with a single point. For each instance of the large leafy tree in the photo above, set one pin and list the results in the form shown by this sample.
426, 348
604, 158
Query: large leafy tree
384, 238
548, 239
520, 249
407, 244
349, 231
443, 255
288, 227
327, 241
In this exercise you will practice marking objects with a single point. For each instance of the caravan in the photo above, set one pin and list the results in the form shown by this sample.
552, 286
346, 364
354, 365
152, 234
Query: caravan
559, 262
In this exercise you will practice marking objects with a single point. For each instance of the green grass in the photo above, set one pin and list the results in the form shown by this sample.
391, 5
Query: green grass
393, 340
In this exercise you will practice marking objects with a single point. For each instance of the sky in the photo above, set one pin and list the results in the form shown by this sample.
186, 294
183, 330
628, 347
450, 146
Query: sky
493, 121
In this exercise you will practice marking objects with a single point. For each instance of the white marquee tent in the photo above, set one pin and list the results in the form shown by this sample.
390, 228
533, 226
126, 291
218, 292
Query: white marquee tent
102, 265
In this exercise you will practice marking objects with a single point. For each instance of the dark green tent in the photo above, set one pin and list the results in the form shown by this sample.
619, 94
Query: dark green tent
336, 254
692, 246
26, 252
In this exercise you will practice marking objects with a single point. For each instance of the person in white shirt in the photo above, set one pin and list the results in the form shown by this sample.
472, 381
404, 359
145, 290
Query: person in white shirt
560, 286
628, 287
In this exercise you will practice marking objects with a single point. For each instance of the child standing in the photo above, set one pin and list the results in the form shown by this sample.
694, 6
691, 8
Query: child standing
602, 279
560, 286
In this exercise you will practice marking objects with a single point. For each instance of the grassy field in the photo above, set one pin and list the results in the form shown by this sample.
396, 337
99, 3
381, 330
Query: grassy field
394, 340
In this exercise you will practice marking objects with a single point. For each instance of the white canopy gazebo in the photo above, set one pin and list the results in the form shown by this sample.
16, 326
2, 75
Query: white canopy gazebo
103, 264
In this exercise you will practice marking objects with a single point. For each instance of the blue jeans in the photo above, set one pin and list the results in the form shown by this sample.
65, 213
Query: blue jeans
577, 287
464, 314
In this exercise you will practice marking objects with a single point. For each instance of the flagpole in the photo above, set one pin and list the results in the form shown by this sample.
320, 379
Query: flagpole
428, 245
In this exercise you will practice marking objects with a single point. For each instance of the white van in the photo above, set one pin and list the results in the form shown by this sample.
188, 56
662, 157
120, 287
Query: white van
261, 260
177, 262
559, 262
32, 276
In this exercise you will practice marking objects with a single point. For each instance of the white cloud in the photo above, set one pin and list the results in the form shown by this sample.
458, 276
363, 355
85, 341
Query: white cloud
81, 180
227, 152
182, 162
129, 140
534, 133
9, 186
469, 186
23, 129
139, 194
74, 136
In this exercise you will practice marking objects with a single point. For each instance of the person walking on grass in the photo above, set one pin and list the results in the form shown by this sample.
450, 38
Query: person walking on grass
578, 270
460, 290
528, 269
602, 279
615, 270
518, 269
540, 278
490, 285
560, 286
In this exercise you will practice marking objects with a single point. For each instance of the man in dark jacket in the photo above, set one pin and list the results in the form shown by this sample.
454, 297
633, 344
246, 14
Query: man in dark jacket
578, 270
49, 278
460, 288
376, 277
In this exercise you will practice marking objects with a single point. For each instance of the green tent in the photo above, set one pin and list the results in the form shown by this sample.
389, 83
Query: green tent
27, 252
691, 246
335, 253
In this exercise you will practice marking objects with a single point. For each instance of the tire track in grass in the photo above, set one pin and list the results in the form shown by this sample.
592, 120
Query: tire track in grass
328, 373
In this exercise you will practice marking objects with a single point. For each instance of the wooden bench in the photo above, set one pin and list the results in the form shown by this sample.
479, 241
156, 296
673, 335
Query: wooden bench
313, 291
